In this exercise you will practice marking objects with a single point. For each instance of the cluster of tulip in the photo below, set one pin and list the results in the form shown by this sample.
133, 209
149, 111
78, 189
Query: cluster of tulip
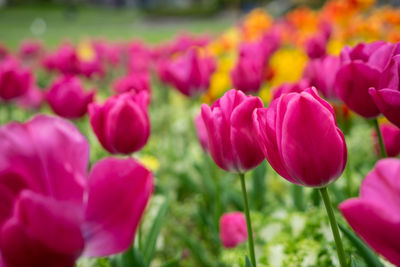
53, 211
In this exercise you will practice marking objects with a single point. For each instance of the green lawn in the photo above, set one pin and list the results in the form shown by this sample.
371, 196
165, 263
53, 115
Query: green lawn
112, 24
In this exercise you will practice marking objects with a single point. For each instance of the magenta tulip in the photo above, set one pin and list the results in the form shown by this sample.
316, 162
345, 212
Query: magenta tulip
33, 99
230, 131
15, 80
190, 73
122, 123
316, 46
362, 68
321, 73
287, 88
375, 215
201, 132
391, 139
67, 97
300, 138
136, 82
51, 213
387, 95
233, 229
31, 49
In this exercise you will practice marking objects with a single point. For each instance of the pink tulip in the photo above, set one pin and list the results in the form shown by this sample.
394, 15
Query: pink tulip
316, 46
67, 97
375, 215
190, 73
122, 123
15, 80
391, 139
233, 229
201, 132
300, 138
139, 58
135, 82
362, 68
230, 133
31, 49
321, 73
387, 96
33, 99
287, 88
65, 60
3, 51
51, 213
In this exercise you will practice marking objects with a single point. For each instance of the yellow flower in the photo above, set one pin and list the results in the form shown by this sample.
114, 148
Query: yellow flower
150, 162
256, 23
85, 51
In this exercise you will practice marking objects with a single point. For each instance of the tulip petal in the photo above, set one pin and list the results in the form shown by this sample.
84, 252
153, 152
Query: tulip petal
352, 82
388, 102
311, 157
375, 225
42, 232
118, 192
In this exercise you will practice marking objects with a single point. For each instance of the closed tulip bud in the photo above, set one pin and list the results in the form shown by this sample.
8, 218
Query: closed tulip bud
233, 229
362, 68
230, 132
387, 96
391, 139
300, 138
375, 214
316, 46
136, 82
248, 74
67, 97
321, 73
15, 81
122, 123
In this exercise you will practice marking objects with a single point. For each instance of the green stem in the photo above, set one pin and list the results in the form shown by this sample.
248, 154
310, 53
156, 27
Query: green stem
334, 226
140, 234
248, 221
381, 144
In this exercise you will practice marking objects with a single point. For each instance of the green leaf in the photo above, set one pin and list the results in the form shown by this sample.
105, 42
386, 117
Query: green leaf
365, 252
259, 190
151, 240
131, 257
197, 250
172, 263
247, 262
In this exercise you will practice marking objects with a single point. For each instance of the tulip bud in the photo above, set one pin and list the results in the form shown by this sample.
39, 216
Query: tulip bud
391, 140
15, 81
287, 88
300, 138
136, 82
230, 131
122, 123
67, 97
233, 229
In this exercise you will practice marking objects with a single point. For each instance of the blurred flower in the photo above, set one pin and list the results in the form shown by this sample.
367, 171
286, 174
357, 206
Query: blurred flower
316, 46
300, 138
67, 97
150, 162
321, 73
52, 211
31, 49
387, 95
33, 99
391, 139
287, 88
379, 206
231, 142
122, 123
201, 132
361, 68
135, 82
15, 80
233, 229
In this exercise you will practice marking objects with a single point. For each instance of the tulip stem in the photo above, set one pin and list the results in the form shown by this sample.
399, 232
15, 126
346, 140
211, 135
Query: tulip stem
381, 144
334, 226
248, 221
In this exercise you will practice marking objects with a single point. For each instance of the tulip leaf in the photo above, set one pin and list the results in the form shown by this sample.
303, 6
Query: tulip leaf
131, 257
151, 240
247, 261
365, 252
175, 262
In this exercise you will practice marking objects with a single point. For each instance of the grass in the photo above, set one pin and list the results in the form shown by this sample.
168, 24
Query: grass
111, 24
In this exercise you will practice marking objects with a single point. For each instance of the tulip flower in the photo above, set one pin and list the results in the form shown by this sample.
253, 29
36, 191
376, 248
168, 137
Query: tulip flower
231, 141
65, 60
375, 215
321, 73
15, 80
316, 46
286, 88
230, 131
391, 139
387, 96
232, 229
300, 138
201, 132
136, 82
362, 68
51, 213
31, 49
33, 99
122, 123
190, 73
67, 97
